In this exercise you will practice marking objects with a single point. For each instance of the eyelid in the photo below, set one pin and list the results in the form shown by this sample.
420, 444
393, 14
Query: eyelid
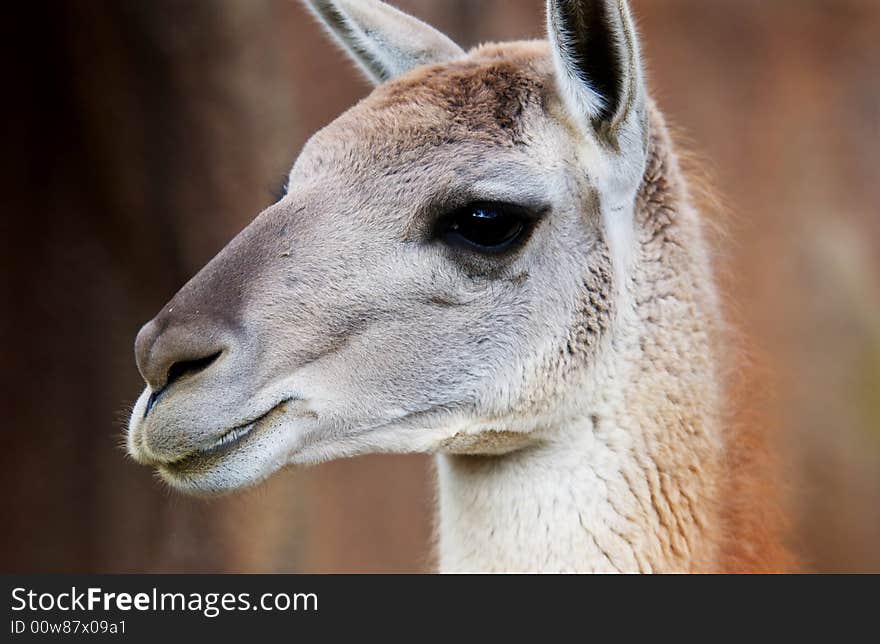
531, 205
441, 222
464, 247
428, 216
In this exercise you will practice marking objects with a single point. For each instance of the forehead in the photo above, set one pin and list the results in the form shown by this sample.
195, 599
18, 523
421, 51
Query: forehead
486, 97
444, 114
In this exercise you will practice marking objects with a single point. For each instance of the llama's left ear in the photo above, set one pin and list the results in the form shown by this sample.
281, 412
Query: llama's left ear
598, 66
384, 41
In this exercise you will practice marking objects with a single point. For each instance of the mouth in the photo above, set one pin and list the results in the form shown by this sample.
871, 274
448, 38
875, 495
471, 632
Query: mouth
206, 457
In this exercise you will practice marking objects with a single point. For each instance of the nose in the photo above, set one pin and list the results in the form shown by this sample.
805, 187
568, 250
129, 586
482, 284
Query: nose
168, 350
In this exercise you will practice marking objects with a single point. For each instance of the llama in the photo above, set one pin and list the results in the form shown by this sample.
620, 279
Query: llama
492, 258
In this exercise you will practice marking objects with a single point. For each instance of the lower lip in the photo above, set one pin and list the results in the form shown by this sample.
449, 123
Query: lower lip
224, 445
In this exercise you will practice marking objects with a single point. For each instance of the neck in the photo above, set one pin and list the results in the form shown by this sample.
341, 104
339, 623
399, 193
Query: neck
607, 498
631, 483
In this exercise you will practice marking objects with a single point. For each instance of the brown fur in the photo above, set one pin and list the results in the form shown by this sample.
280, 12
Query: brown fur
751, 521
483, 98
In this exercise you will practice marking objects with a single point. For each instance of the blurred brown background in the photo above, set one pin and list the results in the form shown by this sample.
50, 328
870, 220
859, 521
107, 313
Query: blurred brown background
140, 136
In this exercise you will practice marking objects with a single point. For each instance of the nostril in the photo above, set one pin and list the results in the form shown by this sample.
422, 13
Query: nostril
177, 371
189, 368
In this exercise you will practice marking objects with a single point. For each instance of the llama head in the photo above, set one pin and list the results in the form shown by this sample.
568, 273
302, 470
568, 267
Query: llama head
446, 264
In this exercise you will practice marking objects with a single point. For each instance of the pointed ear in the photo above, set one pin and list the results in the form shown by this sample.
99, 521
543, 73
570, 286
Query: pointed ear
384, 41
596, 53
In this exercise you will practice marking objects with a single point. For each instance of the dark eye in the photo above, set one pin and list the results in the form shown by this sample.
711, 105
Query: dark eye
281, 191
486, 227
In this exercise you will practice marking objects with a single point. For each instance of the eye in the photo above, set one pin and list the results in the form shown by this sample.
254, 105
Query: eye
281, 191
486, 227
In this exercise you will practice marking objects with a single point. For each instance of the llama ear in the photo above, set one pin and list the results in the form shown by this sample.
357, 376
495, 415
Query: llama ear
384, 41
596, 54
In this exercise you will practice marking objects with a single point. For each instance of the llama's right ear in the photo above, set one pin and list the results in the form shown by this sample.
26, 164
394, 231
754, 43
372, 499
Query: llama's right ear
598, 66
384, 41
